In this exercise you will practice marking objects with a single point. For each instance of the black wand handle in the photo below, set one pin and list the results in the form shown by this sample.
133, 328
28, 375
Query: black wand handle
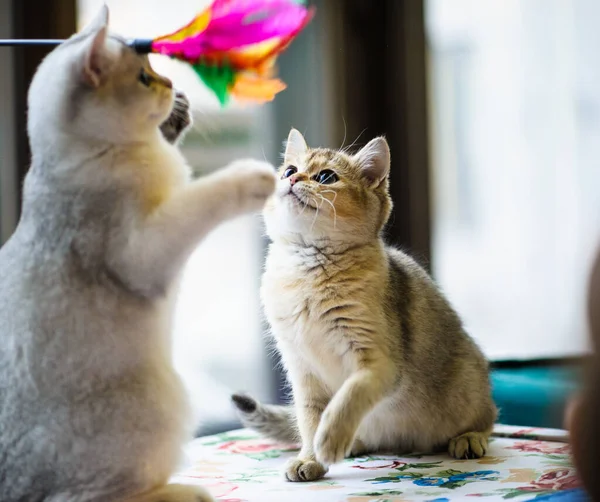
32, 41
139, 45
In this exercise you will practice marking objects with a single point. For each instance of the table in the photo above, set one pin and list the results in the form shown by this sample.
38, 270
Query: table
522, 464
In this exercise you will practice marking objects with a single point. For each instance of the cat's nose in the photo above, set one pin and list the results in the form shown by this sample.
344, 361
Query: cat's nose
294, 178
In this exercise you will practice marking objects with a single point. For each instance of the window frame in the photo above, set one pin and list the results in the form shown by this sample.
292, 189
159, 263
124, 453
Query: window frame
53, 19
383, 89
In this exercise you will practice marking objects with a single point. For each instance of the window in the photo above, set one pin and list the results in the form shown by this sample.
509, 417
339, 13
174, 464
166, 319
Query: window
8, 168
515, 123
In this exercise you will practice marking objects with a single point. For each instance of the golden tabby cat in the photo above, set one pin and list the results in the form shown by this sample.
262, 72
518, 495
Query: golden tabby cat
376, 356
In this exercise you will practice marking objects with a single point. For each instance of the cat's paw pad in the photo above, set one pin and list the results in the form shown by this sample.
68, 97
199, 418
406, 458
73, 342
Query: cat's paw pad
299, 470
332, 442
255, 180
179, 120
468, 445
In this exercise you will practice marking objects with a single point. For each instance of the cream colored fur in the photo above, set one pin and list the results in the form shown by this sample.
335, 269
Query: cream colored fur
91, 406
377, 358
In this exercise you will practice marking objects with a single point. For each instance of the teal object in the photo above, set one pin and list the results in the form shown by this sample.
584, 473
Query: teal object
534, 396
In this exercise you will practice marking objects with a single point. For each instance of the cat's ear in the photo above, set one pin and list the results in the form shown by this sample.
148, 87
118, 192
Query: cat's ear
99, 21
374, 161
295, 147
96, 56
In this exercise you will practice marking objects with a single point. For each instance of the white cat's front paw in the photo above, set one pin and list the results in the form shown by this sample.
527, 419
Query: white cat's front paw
254, 180
333, 441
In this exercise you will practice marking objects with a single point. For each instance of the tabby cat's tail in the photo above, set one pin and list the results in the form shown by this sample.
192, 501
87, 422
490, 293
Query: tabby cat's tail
274, 422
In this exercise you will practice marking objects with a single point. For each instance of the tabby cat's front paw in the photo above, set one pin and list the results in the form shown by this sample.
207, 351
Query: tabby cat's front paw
254, 180
299, 470
332, 442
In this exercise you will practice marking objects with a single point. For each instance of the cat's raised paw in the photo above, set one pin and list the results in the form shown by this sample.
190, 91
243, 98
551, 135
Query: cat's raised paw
468, 445
179, 121
255, 181
300, 470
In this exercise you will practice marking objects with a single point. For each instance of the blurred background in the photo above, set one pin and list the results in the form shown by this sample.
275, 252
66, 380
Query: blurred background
492, 112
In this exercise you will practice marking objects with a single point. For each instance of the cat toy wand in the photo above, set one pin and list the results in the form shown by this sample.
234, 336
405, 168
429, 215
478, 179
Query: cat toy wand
29, 41
232, 45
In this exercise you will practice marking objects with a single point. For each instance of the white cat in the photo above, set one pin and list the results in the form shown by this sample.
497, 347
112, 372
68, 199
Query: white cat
91, 408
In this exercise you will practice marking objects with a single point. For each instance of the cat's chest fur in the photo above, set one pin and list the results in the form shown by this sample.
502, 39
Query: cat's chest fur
317, 303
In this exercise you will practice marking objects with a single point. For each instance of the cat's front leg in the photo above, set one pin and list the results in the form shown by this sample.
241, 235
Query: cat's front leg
310, 400
358, 395
152, 253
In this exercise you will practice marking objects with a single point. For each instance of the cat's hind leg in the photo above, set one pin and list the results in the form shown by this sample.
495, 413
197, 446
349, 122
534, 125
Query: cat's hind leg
469, 445
358, 449
174, 493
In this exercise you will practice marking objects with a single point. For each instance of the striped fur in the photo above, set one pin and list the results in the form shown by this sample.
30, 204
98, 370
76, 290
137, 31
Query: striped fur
377, 358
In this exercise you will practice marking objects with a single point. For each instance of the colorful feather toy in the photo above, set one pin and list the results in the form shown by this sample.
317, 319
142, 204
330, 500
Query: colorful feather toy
232, 45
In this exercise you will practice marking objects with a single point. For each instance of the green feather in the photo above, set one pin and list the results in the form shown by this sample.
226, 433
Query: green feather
218, 79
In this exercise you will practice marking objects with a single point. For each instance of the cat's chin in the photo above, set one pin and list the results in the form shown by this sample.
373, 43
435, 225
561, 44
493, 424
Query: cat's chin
298, 202
288, 228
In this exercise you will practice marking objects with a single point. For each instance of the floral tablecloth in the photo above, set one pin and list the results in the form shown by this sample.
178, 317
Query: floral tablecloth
522, 464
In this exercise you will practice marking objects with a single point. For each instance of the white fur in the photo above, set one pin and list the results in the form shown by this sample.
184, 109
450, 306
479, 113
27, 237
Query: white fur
92, 409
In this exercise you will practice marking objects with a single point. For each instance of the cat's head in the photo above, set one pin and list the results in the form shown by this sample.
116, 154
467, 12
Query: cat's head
329, 194
95, 87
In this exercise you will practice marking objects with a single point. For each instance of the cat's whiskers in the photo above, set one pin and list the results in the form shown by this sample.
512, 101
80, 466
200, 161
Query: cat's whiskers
304, 206
203, 133
333, 192
345, 150
334, 211
202, 127
316, 213
331, 203
345, 131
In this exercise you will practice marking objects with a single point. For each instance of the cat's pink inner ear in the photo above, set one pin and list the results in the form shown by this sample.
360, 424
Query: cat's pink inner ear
374, 161
296, 147
96, 59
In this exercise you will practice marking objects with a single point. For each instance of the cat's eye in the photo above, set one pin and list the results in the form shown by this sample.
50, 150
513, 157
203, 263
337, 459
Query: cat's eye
145, 78
326, 177
289, 171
